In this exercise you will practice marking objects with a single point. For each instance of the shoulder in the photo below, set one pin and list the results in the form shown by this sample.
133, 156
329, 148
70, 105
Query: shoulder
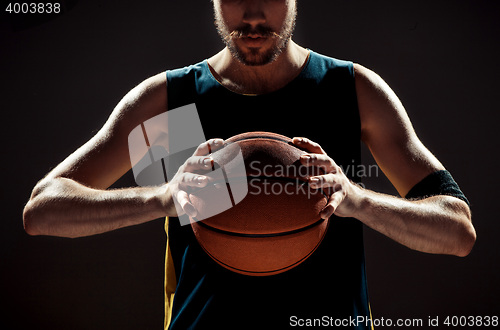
368, 81
146, 100
379, 107
150, 89
321, 61
186, 70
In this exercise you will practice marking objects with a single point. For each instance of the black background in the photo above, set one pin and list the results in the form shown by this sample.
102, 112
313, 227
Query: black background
60, 78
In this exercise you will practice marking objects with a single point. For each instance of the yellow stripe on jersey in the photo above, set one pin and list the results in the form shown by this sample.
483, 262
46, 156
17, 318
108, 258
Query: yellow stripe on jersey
170, 281
369, 309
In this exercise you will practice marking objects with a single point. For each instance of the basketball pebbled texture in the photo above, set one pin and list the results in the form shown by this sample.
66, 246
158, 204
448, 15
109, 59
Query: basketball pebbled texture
276, 226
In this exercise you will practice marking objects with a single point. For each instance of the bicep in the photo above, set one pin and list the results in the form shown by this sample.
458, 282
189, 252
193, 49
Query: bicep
105, 157
389, 134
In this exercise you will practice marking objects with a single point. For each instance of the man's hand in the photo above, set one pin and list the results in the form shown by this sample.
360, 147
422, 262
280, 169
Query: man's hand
438, 224
189, 177
344, 198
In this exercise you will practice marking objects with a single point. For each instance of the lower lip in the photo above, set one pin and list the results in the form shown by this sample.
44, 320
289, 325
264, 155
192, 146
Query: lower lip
254, 42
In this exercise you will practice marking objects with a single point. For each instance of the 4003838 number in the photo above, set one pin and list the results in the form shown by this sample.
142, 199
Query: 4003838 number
471, 321
33, 8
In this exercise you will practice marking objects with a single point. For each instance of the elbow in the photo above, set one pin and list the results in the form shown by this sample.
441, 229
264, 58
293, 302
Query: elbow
30, 219
467, 240
34, 212
465, 237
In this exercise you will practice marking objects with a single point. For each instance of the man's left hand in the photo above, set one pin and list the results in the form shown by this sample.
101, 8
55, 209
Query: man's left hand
345, 195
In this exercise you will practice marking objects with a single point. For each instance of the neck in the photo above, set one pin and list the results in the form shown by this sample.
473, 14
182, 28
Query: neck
245, 79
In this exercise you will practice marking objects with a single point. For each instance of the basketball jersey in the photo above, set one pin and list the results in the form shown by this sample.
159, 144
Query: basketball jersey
327, 288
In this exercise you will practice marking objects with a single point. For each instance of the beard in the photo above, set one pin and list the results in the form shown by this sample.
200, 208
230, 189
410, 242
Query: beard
256, 56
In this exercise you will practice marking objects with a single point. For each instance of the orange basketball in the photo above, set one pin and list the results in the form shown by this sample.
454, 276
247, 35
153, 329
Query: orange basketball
276, 225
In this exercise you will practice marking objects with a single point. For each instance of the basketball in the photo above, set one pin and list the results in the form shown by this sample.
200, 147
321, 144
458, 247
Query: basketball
276, 225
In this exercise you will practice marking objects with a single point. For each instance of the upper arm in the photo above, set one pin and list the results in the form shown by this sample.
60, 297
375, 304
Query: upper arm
388, 133
105, 157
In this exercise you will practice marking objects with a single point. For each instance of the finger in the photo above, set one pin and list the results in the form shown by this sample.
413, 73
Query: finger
320, 160
333, 202
329, 182
193, 180
308, 145
208, 147
183, 201
195, 163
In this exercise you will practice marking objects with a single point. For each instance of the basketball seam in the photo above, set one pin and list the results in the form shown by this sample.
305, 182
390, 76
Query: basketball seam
271, 139
270, 272
263, 137
236, 234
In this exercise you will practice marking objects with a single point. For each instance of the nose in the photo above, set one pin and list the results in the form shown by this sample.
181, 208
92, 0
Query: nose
254, 13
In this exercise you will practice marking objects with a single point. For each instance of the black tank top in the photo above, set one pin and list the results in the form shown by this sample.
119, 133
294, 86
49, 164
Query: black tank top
330, 286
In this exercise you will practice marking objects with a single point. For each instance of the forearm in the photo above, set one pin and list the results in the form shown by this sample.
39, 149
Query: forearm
63, 207
438, 224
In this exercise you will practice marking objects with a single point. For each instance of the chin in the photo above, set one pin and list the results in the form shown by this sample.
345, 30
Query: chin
256, 56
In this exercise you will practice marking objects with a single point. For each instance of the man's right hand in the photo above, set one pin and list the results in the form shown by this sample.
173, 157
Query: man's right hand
189, 177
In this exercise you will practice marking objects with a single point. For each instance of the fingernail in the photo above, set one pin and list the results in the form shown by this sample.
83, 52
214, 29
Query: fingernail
200, 180
190, 210
307, 158
313, 181
325, 214
207, 162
